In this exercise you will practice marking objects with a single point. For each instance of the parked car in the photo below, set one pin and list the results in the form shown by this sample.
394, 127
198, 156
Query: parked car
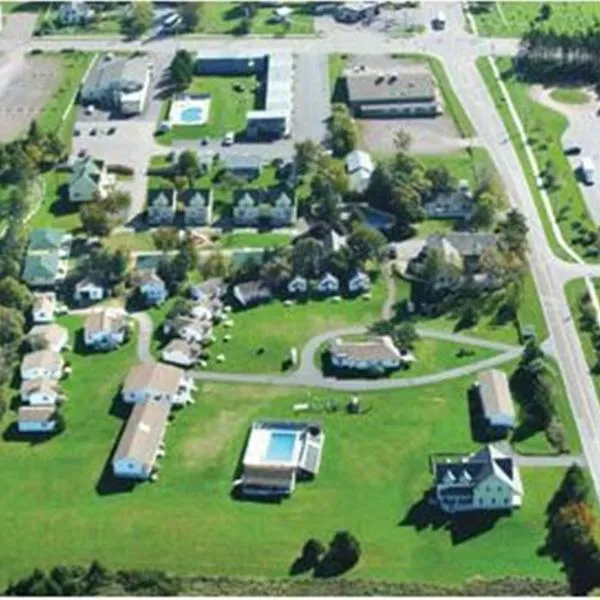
111, 130
573, 151
204, 142
229, 138
93, 131
76, 132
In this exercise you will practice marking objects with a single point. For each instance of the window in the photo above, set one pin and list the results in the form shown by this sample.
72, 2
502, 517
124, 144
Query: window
493, 500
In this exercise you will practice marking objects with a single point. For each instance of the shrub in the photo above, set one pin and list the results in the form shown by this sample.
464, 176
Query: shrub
556, 436
119, 169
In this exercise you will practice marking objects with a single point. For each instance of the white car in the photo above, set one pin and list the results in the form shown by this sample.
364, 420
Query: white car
229, 138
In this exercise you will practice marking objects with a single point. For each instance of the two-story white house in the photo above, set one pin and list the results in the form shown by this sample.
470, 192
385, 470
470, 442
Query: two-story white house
197, 207
89, 289
328, 284
105, 329
359, 283
485, 480
252, 207
162, 206
36, 419
89, 180
190, 329
152, 288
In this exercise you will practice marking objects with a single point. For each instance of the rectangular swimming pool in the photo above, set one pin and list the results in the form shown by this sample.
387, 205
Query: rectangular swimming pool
281, 446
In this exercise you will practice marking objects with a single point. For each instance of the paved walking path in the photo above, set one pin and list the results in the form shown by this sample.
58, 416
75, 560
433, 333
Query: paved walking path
563, 461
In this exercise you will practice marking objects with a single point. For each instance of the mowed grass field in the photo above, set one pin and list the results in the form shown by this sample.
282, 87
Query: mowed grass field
228, 107
262, 336
373, 474
513, 19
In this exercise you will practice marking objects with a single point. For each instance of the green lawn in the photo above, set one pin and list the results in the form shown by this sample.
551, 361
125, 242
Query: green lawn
574, 291
140, 241
432, 356
254, 240
530, 313
56, 210
225, 17
568, 95
374, 471
256, 328
73, 66
513, 19
452, 105
228, 108
500, 103
544, 128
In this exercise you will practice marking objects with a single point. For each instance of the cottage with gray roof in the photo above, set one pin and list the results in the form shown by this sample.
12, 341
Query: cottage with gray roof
197, 207
408, 90
41, 270
53, 240
89, 180
485, 480
252, 292
373, 353
162, 206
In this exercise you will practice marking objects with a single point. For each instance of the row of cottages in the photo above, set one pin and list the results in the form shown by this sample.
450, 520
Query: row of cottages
189, 332
45, 262
255, 292
153, 388
372, 354
41, 371
197, 206
89, 180
461, 255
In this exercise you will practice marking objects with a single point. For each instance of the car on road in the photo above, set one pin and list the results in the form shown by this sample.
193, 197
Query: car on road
229, 138
587, 170
82, 152
111, 130
93, 131
76, 132
573, 151
204, 142
439, 22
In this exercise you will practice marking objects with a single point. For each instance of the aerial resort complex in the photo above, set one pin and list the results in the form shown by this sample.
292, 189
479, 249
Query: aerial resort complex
300, 299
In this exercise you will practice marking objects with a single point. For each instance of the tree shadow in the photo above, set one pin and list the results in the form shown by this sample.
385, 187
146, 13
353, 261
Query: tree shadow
462, 527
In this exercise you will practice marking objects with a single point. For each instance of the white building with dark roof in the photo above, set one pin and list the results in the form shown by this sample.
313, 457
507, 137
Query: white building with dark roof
374, 353
496, 399
487, 480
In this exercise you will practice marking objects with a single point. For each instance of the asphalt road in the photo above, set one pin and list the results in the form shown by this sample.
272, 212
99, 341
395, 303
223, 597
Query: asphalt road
458, 50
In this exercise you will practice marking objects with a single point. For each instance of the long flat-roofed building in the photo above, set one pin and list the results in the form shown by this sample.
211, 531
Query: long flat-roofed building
118, 83
374, 353
404, 91
496, 399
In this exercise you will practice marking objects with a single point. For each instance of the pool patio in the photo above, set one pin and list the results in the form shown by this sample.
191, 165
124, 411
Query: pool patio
277, 452
190, 110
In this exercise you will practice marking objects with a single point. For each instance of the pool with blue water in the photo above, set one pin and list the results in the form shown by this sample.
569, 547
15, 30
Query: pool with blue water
281, 446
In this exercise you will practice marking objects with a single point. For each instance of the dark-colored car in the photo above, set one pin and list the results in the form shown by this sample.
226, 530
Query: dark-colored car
573, 151
111, 130
93, 131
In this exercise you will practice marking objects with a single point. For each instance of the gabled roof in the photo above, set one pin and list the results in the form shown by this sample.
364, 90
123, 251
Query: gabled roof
197, 197
104, 320
235, 162
143, 433
251, 291
257, 196
42, 386
154, 376
465, 244
36, 414
41, 359
495, 393
41, 269
149, 278
44, 302
161, 198
46, 239
86, 169
190, 351
52, 333
375, 349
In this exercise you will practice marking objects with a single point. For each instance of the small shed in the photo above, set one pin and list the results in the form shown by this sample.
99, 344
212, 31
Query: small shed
496, 399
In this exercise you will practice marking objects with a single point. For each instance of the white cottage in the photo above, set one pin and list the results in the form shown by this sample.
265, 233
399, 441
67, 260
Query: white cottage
39, 392
105, 329
44, 307
43, 364
89, 290
154, 381
328, 284
181, 353
359, 283
297, 285
36, 419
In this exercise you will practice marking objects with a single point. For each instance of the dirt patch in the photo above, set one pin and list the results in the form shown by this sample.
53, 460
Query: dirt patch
27, 85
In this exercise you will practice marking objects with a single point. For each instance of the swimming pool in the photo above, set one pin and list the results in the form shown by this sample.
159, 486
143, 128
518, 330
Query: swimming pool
281, 446
191, 115
377, 218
